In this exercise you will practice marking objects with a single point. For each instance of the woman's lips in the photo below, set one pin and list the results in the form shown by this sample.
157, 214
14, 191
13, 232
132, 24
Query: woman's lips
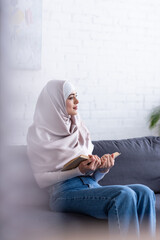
75, 108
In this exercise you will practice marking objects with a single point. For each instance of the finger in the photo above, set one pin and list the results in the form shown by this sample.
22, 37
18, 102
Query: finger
92, 157
103, 161
112, 161
102, 166
95, 164
113, 156
107, 162
86, 162
97, 157
105, 156
91, 166
99, 164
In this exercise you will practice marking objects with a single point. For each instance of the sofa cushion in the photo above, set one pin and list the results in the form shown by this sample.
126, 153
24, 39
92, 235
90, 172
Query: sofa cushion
139, 161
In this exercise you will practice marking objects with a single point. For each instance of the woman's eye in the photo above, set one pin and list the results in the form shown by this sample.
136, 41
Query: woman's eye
73, 97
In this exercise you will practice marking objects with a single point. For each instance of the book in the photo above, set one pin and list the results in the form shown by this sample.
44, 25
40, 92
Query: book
76, 161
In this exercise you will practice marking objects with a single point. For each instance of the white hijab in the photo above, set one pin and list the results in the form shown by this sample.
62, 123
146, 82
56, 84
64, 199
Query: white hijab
55, 137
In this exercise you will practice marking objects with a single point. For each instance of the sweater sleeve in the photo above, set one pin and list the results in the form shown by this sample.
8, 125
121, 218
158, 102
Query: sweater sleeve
46, 179
97, 175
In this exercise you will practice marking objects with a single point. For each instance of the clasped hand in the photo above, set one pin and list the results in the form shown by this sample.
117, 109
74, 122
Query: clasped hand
94, 162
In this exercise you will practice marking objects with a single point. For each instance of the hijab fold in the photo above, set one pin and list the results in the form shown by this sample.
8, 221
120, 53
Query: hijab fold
55, 137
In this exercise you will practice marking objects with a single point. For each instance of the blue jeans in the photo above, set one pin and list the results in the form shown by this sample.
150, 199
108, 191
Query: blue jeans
126, 208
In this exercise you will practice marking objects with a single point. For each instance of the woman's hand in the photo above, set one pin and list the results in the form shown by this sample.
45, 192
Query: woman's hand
107, 162
90, 165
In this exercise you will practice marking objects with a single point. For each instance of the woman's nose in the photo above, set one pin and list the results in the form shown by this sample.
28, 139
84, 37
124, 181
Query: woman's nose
76, 101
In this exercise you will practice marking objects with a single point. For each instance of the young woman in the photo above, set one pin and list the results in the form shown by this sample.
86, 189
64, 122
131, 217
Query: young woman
58, 135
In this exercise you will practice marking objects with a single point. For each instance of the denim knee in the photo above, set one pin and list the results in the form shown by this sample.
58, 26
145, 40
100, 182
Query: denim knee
128, 193
145, 191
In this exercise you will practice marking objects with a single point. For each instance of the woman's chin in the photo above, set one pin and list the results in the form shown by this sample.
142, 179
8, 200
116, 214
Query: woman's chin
75, 112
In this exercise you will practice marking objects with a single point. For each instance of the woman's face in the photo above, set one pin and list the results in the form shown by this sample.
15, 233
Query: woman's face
71, 104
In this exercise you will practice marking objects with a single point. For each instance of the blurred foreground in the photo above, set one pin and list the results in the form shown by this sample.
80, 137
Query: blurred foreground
24, 211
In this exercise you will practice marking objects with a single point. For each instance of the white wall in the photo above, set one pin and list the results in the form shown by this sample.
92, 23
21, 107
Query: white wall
110, 49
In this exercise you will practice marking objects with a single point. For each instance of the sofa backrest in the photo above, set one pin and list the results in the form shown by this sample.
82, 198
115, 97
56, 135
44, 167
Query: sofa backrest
139, 161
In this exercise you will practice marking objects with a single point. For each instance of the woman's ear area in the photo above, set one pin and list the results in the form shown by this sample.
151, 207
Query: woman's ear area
68, 88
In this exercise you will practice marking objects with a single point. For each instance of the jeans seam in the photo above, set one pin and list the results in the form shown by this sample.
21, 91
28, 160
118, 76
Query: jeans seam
116, 210
83, 198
